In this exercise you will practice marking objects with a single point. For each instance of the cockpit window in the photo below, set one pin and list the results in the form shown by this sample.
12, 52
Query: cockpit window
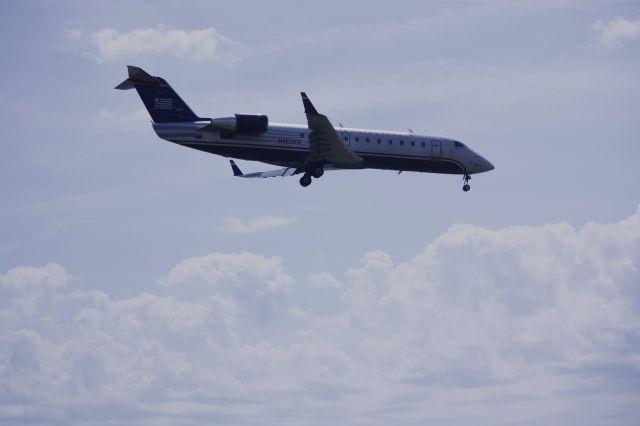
458, 144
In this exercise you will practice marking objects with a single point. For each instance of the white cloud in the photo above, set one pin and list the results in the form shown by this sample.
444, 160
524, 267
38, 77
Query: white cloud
520, 324
616, 31
260, 223
324, 280
198, 45
29, 279
242, 283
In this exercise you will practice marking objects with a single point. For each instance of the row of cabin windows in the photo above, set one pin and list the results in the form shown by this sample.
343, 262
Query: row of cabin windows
346, 138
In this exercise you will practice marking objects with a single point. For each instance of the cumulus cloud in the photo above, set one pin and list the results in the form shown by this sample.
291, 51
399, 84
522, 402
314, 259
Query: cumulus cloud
519, 324
324, 280
198, 45
29, 279
617, 31
257, 224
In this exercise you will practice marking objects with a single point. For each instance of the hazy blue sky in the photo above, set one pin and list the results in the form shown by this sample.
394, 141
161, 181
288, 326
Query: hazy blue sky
140, 282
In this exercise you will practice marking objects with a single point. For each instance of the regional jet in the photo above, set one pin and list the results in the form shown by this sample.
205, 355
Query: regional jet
306, 150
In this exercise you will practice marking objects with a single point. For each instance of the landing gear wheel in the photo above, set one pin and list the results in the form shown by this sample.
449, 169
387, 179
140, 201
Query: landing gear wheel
465, 179
318, 172
305, 180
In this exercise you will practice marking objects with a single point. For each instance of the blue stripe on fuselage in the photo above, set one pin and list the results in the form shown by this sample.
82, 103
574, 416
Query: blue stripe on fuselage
295, 156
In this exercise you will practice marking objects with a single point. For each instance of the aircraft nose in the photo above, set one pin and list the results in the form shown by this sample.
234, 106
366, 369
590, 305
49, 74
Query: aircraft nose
481, 164
486, 165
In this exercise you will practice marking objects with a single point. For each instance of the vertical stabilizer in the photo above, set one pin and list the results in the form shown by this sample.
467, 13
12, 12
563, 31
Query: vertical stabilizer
162, 102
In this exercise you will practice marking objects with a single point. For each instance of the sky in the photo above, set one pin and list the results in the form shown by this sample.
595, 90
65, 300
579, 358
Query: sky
141, 282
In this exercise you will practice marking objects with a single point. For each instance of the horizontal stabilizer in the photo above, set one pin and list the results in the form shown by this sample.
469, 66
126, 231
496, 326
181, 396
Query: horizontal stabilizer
137, 76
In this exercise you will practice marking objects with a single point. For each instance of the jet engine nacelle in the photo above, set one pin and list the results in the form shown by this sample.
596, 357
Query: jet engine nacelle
242, 123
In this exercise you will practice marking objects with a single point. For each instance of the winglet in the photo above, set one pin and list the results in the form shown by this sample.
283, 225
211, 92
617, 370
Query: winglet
235, 168
308, 106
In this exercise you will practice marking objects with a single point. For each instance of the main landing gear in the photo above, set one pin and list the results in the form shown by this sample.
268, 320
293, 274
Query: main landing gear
466, 179
316, 172
305, 180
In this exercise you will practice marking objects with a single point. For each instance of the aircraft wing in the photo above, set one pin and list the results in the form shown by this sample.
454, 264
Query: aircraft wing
326, 145
287, 171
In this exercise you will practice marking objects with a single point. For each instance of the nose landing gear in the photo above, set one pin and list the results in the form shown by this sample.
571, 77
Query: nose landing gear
466, 179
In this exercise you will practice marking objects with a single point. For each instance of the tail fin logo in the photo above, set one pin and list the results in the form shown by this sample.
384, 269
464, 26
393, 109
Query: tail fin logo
163, 103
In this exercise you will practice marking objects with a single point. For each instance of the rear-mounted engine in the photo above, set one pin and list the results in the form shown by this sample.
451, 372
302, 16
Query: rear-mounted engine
242, 123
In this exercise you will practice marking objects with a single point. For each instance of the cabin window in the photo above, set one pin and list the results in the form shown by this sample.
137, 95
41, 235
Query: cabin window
401, 142
367, 140
302, 135
357, 139
379, 141
346, 139
390, 142
422, 143
413, 143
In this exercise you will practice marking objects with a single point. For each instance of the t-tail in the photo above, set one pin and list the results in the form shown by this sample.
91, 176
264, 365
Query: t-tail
162, 102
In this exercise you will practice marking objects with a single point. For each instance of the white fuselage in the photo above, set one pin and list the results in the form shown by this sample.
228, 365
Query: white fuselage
287, 145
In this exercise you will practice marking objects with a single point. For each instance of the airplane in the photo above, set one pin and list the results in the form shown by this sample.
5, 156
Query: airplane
307, 150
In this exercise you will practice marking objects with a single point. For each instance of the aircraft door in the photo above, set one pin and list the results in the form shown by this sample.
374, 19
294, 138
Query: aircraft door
346, 137
436, 148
